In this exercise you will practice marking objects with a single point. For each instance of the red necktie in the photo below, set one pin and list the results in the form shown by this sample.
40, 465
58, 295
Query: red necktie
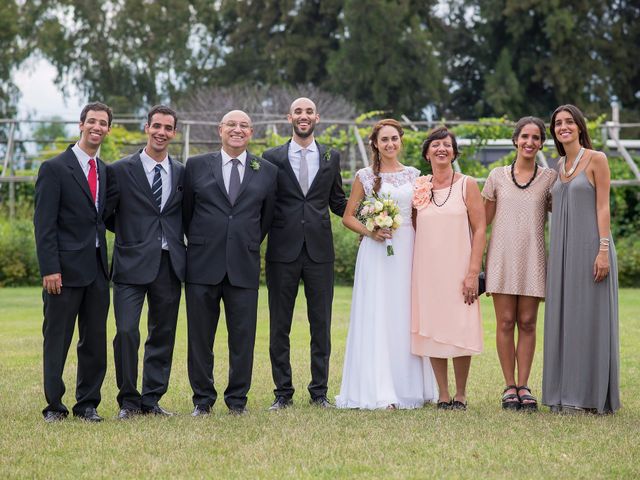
92, 178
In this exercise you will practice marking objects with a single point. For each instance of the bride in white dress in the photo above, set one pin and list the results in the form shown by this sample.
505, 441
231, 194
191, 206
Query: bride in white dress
379, 370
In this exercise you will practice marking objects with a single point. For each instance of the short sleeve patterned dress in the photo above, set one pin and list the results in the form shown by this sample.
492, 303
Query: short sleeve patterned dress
516, 258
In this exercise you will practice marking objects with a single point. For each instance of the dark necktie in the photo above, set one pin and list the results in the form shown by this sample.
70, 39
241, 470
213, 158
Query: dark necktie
156, 186
92, 178
234, 181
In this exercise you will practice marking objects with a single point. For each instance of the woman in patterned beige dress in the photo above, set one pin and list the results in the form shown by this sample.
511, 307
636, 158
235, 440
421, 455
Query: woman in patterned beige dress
516, 199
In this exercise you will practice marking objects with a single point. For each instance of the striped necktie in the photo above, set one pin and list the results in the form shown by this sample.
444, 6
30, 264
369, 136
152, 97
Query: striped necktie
156, 186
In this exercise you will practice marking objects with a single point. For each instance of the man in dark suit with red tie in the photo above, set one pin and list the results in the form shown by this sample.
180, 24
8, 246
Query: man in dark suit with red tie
144, 208
301, 248
70, 198
227, 209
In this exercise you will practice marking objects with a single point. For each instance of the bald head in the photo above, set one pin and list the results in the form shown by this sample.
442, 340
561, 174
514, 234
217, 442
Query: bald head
302, 102
235, 132
303, 118
236, 114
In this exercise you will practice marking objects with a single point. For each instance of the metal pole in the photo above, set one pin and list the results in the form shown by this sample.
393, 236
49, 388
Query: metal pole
187, 138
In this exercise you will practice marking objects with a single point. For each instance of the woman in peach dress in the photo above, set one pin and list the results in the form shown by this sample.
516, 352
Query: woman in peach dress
450, 239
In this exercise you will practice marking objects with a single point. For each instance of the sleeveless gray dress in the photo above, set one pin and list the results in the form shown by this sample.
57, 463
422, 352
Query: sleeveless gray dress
581, 348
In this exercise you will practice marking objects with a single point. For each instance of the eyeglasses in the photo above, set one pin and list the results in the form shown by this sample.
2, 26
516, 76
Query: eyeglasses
240, 125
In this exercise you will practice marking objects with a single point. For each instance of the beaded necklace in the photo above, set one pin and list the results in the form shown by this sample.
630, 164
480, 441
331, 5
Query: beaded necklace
526, 185
453, 174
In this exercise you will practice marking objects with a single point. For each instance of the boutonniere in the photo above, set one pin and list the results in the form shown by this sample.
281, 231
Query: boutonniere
254, 164
327, 156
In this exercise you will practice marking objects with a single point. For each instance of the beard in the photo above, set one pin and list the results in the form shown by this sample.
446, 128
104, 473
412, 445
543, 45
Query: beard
303, 134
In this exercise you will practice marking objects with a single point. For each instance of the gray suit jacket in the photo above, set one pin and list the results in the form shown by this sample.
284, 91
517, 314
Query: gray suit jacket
304, 220
224, 239
132, 213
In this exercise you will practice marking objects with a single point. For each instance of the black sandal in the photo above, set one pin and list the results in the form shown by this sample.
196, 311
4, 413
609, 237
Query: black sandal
444, 405
527, 401
510, 401
458, 405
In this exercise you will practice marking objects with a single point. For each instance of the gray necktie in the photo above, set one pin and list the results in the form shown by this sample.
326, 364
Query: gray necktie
234, 181
304, 171
156, 186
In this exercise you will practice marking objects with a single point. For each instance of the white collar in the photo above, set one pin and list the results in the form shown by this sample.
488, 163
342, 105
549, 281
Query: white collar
226, 158
149, 163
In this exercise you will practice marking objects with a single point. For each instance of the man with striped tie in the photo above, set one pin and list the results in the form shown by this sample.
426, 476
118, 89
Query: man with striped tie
144, 209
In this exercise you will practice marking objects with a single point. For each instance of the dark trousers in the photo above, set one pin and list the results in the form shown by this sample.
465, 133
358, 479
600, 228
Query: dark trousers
163, 302
283, 280
203, 312
90, 305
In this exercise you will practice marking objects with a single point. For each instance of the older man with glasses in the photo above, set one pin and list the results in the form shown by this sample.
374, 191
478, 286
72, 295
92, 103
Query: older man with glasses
228, 205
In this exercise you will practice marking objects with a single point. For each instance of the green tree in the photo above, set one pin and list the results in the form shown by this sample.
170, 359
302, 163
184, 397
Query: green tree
387, 58
129, 53
275, 42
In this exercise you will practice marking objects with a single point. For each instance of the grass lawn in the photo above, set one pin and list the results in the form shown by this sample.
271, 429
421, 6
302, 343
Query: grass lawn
304, 441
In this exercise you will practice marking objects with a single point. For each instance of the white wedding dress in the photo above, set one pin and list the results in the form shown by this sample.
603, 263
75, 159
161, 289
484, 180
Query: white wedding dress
379, 369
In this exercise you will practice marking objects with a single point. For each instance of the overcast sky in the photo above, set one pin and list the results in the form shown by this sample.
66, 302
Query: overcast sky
41, 99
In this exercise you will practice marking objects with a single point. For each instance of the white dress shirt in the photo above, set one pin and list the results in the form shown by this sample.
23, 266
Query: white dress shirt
227, 164
83, 159
313, 159
149, 165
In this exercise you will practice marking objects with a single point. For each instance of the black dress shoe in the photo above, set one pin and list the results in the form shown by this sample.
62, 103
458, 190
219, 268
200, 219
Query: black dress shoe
201, 411
90, 414
281, 403
238, 411
322, 402
158, 410
127, 413
51, 417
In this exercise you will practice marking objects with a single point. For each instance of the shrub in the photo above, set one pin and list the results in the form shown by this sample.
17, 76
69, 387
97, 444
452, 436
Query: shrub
628, 250
18, 261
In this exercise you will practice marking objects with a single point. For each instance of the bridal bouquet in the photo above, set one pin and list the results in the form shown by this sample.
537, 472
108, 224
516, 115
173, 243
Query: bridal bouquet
380, 211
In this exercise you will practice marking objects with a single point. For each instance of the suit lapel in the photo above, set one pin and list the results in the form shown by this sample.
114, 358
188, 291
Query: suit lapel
102, 185
174, 181
216, 170
289, 169
249, 173
322, 165
140, 177
76, 171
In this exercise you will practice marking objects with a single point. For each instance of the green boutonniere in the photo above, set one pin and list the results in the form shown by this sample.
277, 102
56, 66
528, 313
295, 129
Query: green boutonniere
255, 165
327, 156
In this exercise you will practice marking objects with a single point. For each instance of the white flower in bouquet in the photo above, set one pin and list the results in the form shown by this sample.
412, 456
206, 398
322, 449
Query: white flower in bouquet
380, 212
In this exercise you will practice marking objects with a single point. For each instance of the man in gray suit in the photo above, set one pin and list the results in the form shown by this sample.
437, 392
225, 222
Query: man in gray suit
301, 248
144, 201
227, 209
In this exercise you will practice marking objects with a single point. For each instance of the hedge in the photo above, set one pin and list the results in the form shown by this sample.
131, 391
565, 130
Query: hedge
19, 265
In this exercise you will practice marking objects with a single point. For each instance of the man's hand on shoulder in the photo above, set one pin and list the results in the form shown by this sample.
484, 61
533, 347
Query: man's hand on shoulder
52, 283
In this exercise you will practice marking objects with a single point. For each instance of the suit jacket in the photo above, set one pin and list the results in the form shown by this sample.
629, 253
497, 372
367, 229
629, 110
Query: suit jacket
132, 213
224, 239
302, 220
67, 222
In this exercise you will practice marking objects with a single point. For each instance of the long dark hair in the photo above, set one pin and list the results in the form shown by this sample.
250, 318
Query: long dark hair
578, 117
375, 153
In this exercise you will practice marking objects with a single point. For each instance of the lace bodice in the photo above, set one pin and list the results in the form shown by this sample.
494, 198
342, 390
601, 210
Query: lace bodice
397, 184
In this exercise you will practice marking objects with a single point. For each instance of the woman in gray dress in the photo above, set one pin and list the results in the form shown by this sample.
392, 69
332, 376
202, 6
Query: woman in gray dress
581, 348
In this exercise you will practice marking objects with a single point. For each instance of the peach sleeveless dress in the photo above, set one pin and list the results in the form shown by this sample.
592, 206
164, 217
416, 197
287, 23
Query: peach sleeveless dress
442, 325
